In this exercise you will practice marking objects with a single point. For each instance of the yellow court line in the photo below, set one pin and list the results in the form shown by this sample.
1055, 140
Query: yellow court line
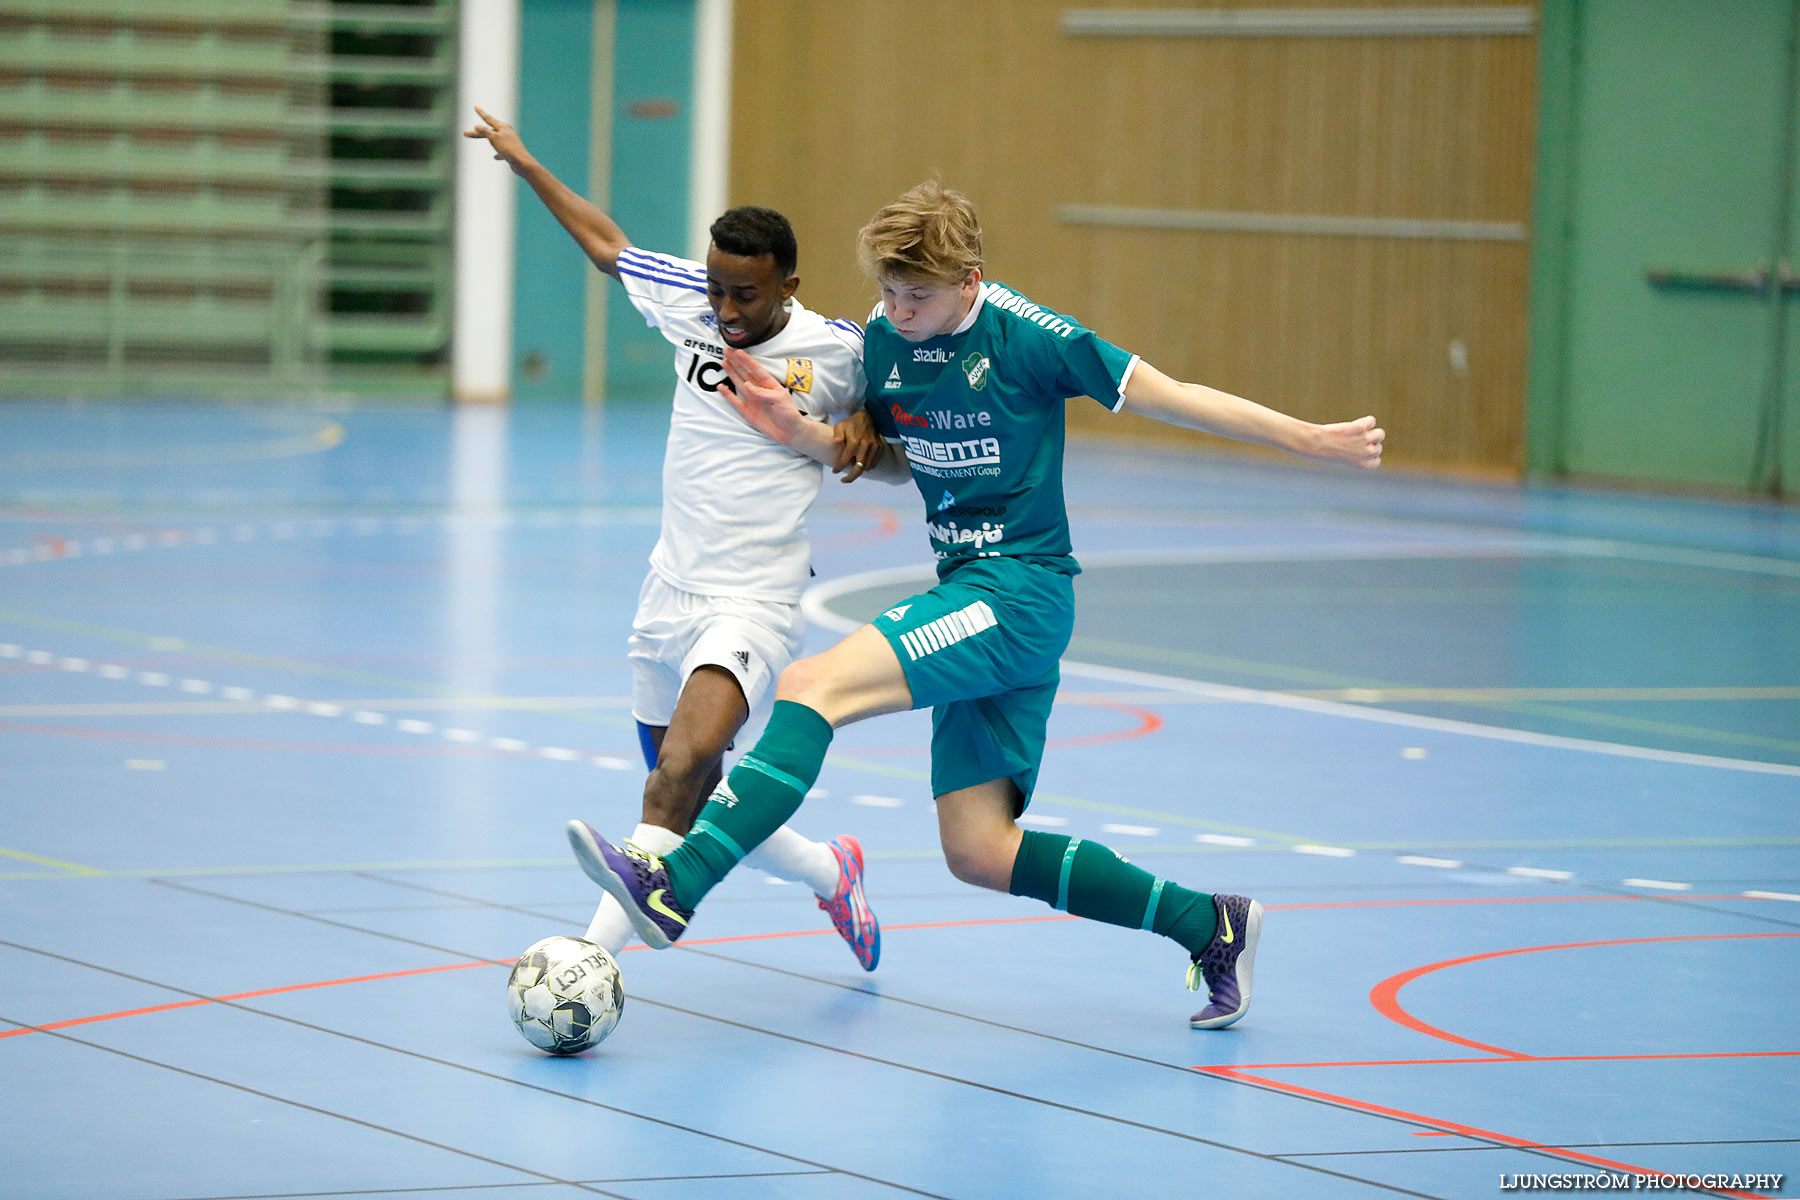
224, 654
1349, 691
914, 775
326, 436
77, 868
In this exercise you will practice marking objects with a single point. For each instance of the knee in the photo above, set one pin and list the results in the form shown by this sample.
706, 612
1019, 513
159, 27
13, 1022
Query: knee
802, 682
985, 861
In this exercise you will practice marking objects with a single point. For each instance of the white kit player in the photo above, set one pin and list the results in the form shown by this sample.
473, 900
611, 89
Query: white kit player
718, 616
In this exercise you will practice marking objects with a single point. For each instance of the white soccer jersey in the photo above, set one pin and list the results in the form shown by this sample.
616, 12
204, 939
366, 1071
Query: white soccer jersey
734, 502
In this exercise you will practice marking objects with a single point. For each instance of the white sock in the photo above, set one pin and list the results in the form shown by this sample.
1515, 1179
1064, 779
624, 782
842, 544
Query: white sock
787, 855
610, 927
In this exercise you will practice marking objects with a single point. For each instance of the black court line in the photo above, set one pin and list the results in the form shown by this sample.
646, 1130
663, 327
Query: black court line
312, 1108
444, 1062
1050, 1037
489, 1187
1557, 1146
864, 991
829, 1049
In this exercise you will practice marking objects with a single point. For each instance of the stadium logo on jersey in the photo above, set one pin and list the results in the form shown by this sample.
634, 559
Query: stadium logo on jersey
893, 379
936, 356
799, 374
949, 501
896, 612
976, 368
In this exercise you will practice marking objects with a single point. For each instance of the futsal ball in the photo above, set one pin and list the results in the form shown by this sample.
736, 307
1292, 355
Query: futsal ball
565, 994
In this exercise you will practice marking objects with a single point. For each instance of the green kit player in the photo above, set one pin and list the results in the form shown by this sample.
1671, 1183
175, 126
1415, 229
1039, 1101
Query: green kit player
968, 380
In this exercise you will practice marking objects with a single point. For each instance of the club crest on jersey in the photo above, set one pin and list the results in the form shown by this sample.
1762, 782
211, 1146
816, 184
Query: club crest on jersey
949, 501
893, 379
799, 374
976, 368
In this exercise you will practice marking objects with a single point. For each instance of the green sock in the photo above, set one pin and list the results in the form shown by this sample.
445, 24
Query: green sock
755, 800
1089, 880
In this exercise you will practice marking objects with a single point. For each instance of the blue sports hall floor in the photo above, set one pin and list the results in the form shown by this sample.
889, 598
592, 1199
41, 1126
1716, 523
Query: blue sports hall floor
294, 704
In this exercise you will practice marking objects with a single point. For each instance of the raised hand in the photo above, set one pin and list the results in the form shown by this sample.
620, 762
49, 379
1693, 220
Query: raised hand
505, 140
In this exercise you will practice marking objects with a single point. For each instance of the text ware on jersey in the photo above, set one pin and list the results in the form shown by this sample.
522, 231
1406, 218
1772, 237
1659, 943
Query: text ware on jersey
979, 414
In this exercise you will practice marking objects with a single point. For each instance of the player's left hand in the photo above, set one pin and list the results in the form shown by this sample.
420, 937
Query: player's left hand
502, 137
859, 447
759, 398
1349, 443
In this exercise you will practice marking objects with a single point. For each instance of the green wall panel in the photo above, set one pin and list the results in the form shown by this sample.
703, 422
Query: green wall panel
1662, 130
652, 114
556, 71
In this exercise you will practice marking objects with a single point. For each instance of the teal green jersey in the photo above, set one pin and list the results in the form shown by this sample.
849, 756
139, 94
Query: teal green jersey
979, 415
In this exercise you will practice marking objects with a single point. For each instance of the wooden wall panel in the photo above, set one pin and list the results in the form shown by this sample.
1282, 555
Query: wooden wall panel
841, 104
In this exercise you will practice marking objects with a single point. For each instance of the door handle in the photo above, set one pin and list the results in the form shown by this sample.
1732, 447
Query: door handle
1758, 280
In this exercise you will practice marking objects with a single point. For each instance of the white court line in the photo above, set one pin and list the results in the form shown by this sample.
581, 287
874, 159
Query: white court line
1540, 873
1663, 885
1422, 860
814, 603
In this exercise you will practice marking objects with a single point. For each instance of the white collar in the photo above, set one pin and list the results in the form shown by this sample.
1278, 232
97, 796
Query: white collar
974, 310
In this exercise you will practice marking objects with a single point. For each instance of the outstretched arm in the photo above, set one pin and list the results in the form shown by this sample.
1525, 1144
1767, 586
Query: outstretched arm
1152, 394
595, 232
769, 409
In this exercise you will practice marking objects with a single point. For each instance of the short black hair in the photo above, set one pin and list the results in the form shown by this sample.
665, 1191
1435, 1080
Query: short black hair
752, 231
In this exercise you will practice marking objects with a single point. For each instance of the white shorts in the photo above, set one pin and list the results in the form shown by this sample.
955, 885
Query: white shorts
677, 632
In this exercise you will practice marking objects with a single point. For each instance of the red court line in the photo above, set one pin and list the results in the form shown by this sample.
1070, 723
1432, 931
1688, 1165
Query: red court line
887, 524
1147, 723
463, 966
1521, 1058
274, 991
802, 933
1385, 996
1447, 1126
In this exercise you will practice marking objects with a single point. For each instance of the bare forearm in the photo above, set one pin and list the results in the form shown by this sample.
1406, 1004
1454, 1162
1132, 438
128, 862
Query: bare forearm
598, 235
1149, 392
1196, 406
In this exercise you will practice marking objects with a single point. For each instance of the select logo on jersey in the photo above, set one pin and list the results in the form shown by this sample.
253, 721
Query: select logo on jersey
933, 356
799, 375
949, 501
893, 379
976, 368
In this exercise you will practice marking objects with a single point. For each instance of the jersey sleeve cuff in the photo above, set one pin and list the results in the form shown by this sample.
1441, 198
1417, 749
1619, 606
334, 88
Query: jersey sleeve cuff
1124, 382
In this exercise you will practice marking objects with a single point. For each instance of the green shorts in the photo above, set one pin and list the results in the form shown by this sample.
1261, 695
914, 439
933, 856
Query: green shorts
981, 650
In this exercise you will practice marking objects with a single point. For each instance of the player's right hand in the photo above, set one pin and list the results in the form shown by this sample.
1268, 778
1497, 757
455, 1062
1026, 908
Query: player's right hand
505, 140
759, 398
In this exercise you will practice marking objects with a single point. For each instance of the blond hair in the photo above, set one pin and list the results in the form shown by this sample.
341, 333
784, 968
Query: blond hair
929, 234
